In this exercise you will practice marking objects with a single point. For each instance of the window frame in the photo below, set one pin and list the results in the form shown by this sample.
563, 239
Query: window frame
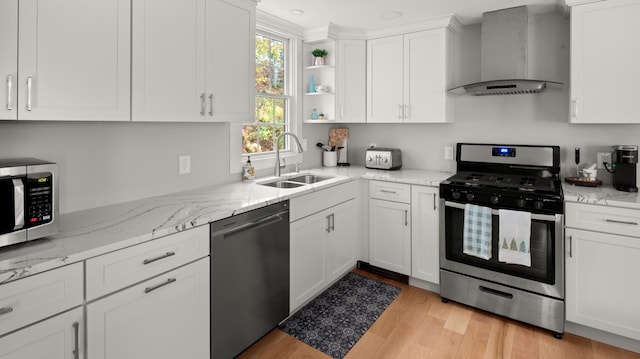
293, 68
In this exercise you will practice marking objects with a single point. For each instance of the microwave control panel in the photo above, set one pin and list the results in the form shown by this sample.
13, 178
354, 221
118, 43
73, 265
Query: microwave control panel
39, 199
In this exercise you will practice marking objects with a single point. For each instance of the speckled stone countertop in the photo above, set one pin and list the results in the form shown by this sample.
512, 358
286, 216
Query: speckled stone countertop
93, 232
604, 195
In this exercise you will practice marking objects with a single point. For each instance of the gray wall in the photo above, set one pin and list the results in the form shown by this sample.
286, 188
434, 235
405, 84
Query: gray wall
106, 163
516, 119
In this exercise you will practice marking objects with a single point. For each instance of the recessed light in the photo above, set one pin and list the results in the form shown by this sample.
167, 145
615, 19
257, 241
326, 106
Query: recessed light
390, 15
296, 12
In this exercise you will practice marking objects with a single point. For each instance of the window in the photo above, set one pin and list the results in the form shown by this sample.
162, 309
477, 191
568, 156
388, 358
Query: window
272, 97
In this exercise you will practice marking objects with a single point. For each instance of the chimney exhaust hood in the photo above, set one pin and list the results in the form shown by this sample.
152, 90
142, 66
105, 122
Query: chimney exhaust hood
504, 63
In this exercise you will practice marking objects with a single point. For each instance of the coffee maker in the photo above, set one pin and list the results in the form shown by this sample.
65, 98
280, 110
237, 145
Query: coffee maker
625, 162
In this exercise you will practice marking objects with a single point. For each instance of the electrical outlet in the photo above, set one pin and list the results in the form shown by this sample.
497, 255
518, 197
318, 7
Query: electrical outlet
185, 164
448, 153
604, 157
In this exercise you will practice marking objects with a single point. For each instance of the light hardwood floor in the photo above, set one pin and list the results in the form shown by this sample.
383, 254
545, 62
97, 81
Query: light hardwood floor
418, 325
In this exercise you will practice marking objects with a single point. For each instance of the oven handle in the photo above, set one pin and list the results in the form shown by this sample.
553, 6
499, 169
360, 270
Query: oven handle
540, 217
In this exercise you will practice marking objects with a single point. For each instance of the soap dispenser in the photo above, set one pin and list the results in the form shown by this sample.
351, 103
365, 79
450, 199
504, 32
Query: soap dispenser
248, 171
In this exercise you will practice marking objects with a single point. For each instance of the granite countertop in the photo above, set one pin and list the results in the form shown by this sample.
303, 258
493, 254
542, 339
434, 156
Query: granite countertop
89, 233
604, 195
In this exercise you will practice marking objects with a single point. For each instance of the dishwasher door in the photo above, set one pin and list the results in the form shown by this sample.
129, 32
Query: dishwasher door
249, 277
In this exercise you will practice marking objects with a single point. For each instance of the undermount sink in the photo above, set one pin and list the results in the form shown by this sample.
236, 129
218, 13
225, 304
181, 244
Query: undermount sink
294, 182
282, 184
309, 179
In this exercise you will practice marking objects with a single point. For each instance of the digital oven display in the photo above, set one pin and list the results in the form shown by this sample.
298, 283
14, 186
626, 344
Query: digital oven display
503, 152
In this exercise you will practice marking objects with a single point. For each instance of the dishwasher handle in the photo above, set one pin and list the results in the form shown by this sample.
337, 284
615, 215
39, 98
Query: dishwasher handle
250, 225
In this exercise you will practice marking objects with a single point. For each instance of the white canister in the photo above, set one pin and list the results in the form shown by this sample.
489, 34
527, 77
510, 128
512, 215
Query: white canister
330, 158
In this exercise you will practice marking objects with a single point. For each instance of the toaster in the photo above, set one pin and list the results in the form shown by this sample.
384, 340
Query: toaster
383, 158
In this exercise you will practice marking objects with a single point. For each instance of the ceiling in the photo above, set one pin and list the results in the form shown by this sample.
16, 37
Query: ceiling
376, 14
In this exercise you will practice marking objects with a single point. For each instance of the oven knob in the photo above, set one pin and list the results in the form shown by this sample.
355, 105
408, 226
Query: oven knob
456, 195
470, 196
494, 199
369, 159
538, 204
386, 160
521, 202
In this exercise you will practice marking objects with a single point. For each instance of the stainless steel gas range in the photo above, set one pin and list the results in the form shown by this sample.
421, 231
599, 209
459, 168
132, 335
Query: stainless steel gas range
501, 233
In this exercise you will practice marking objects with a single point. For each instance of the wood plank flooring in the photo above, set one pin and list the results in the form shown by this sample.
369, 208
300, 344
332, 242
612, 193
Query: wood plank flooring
418, 325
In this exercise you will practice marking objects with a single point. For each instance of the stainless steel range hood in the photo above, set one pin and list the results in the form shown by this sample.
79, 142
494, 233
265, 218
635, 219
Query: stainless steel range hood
504, 66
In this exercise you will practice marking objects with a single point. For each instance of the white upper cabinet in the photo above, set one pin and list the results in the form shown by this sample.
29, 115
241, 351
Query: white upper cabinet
604, 69
351, 81
9, 59
193, 60
408, 77
74, 60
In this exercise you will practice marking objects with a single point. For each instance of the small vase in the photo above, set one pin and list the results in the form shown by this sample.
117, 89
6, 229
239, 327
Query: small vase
312, 83
318, 61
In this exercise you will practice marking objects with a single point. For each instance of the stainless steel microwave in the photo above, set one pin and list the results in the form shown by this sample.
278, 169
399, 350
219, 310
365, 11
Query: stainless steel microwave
28, 200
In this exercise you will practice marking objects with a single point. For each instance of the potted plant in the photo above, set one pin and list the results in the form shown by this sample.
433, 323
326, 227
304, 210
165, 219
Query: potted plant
318, 56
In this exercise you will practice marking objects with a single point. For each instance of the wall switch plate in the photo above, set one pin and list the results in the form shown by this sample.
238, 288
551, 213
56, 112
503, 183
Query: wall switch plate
185, 164
604, 157
448, 153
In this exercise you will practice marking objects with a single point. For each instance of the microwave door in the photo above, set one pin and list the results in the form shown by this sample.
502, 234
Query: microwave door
12, 210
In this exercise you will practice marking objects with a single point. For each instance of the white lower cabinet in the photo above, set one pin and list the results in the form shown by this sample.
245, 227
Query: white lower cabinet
164, 317
602, 281
60, 337
390, 235
425, 232
323, 243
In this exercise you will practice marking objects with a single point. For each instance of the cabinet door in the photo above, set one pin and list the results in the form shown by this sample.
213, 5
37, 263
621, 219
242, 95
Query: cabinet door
165, 317
341, 240
168, 60
230, 58
351, 80
602, 285
385, 79
425, 259
308, 270
390, 235
74, 60
8, 59
59, 337
425, 76
602, 60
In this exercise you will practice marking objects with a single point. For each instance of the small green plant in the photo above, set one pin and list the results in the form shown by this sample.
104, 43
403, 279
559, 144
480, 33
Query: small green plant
319, 52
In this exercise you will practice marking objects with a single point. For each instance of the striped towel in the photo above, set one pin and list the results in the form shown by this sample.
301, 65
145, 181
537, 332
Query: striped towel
477, 231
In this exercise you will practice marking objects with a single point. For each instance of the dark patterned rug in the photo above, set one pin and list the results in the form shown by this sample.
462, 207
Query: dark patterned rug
336, 319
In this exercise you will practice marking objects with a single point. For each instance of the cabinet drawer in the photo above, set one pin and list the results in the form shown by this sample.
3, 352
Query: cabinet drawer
116, 270
40, 296
320, 200
390, 191
623, 221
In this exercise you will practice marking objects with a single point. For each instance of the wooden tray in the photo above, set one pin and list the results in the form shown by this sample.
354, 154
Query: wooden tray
581, 181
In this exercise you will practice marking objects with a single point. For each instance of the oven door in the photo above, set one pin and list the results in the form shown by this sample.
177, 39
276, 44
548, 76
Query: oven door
545, 275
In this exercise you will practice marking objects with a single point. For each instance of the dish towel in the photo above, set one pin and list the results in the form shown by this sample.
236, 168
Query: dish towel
515, 235
477, 231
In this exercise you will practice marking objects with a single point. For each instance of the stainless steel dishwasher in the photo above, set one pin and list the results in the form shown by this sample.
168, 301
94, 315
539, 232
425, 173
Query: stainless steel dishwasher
249, 277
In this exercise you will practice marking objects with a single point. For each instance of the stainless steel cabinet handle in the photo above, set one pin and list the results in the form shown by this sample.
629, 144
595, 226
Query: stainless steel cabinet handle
18, 203
333, 221
342, 112
406, 217
621, 222
406, 111
5, 310
434, 201
328, 227
151, 260
157, 286
29, 88
211, 104
399, 112
202, 104
570, 246
574, 108
76, 333
387, 191
9, 92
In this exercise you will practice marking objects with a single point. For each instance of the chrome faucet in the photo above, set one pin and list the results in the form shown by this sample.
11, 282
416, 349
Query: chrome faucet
277, 146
